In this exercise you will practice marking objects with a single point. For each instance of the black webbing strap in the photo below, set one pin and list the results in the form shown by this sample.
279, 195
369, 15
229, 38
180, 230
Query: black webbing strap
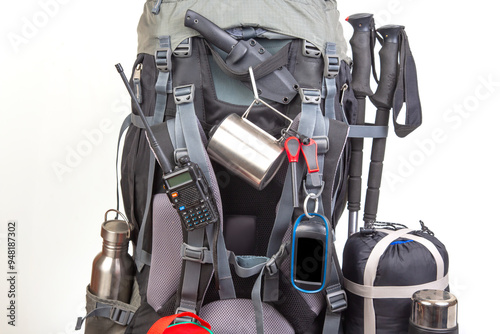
406, 91
337, 137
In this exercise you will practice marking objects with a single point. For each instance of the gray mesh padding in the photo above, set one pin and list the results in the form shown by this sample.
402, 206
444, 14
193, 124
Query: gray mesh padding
237, 316
166, 262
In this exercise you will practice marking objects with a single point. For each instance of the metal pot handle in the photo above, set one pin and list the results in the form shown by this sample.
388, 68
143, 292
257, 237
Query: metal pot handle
257, 99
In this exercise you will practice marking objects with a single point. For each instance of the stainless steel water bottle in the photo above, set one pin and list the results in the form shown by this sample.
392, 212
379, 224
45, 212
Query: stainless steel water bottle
433, 312
113, 269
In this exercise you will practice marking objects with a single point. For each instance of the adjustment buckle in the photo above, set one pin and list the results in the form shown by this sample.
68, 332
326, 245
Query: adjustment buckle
337, 301
272, 265
332, 65
310, 50
184, 49
120, 316
184, 94
163, 59
308, 95
179, 153
195, 254
186, 318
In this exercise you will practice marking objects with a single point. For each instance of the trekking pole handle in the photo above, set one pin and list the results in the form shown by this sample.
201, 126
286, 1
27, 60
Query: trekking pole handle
210, 31
384, 94
382, 99
361, 44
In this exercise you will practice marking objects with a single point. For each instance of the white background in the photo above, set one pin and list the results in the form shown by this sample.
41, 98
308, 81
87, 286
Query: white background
62, 104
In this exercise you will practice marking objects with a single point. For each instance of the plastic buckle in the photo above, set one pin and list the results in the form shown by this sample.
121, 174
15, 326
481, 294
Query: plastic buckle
332, 65
119, 316
184, 94
184, 318
195, 254
337, 301
179, 153
308, 95
323, 144
184, 49
272, 265
163, 59
310, 50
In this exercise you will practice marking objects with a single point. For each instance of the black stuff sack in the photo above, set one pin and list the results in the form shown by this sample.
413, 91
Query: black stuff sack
382, 268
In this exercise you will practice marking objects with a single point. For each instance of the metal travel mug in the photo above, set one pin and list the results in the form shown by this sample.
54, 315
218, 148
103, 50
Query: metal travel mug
245, 149
113, 269
433, 312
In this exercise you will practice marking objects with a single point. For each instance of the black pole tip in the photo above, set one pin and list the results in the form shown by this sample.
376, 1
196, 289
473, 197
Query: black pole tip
119, 67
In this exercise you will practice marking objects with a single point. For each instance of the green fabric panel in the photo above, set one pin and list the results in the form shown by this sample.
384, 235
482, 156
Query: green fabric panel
316, 21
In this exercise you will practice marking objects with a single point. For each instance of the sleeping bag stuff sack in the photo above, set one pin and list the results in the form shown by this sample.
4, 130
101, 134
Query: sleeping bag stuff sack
382, 269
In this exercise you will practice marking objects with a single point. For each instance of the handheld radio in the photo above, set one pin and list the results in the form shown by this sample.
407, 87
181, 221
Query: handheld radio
190, 195
186, 186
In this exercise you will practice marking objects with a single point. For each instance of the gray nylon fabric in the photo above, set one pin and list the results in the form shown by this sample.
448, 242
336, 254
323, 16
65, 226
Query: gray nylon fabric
316, 21
237, 316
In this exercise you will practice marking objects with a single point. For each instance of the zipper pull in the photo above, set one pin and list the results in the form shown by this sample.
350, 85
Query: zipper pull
136, 80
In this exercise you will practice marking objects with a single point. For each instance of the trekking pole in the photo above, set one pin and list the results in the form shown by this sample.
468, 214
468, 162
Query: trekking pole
362, 44
383, 100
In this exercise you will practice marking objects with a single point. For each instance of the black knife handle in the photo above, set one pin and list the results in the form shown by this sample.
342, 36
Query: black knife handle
209, 30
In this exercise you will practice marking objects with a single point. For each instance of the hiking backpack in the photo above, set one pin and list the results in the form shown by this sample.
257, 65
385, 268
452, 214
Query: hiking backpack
236, 274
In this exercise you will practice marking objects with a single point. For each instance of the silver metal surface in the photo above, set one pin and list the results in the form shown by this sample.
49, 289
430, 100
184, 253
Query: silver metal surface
434, 309
246, 150
113, 268
353, 223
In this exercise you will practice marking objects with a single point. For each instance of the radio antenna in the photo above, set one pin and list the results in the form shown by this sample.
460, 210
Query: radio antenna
153, 143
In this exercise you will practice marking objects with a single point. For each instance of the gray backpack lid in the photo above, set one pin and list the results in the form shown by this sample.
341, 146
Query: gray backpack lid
316, 21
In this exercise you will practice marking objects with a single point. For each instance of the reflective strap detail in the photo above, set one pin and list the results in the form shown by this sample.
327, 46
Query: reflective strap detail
380, 292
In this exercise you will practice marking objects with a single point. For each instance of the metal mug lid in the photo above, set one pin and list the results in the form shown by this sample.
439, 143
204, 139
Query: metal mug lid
434, 309
115, 231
